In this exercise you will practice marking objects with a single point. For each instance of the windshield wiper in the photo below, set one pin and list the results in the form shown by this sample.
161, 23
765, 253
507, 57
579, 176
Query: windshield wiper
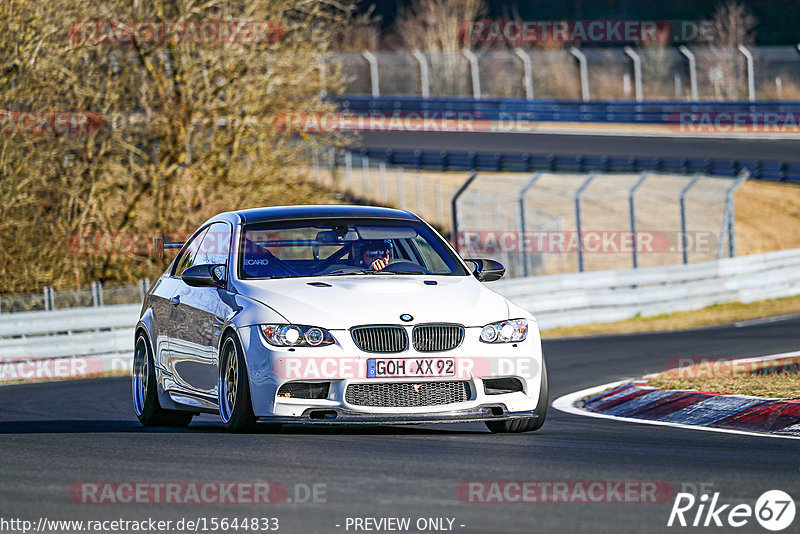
395, 272
349, 273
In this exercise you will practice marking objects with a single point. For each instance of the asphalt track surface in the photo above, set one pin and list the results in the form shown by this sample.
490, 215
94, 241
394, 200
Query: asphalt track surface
58, 434
785, 150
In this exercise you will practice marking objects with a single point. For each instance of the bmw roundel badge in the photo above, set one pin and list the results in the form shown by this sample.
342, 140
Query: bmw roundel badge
406, 317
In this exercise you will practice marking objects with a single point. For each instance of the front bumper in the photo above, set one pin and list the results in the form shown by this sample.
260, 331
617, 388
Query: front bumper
349, 417
521, 360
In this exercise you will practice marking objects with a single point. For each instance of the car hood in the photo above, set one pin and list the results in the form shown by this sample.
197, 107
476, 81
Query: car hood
378, 299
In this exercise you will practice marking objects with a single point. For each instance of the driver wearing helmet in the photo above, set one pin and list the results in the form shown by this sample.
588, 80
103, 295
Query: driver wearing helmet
374, 254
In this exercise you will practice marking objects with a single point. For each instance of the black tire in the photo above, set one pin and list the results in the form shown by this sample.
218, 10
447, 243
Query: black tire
235, 405
145, 395
526, 424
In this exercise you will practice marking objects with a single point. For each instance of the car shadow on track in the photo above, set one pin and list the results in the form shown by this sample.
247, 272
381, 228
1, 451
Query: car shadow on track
81, 426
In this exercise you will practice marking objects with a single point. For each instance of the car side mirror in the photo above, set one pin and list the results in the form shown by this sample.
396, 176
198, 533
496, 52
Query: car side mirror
487, 270
204, 276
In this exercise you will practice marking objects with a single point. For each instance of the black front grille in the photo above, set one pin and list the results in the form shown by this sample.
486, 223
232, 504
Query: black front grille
437, 337
407, 394
380, 338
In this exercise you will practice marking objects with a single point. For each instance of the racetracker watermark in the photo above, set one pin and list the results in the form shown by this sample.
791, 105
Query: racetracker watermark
138, 243
780, 122
49, 122
210, 492
95, 32
566, 491
519, 32
59, 368
295, 121
591, 241
342, 368
712, 367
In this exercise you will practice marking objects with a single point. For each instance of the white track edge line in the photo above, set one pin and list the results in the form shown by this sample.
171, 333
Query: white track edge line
567, 404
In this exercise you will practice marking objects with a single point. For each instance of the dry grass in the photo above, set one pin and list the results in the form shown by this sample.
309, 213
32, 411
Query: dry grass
767, 217
774, 378
709, 316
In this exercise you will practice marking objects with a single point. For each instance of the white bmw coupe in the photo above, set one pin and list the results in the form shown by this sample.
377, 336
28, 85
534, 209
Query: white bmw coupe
333, 315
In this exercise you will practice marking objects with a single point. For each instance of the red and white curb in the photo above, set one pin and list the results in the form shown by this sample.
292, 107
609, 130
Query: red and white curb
634, 401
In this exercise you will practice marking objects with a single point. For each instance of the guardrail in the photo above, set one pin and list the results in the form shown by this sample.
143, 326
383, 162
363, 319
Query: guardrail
69, 342
494, 109
493, 161
104, 336
605, 296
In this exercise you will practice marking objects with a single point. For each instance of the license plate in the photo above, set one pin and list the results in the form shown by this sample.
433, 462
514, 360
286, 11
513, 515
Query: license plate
410, 367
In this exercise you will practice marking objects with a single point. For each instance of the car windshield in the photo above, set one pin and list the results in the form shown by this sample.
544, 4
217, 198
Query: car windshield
340, 247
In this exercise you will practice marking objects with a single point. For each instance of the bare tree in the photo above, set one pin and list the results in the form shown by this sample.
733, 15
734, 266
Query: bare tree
732, 25
188, 128
437, 28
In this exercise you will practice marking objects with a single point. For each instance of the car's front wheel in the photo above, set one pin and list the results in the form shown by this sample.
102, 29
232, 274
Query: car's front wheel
526, 424
145, 396
235, 406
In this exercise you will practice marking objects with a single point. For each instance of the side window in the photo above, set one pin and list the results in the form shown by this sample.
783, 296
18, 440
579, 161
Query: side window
189, 253
215, 246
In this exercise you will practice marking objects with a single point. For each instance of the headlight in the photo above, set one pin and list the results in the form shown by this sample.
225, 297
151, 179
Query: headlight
505, 331
290, 335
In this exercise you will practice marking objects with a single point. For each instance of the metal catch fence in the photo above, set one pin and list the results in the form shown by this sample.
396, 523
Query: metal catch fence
642, 73
547, 222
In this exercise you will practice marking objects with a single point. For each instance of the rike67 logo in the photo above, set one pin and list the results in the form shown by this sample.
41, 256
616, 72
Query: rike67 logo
774, 510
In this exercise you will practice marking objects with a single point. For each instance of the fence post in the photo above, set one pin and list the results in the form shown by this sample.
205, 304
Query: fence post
476, 74
49, 304
729, 221
692, 70
97, 294
751, 80
528, 72
637, 72
424, 78
372, 59
578, 194
584, 70
632, 211
522, 222
144, 285
682, 201
454, 209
